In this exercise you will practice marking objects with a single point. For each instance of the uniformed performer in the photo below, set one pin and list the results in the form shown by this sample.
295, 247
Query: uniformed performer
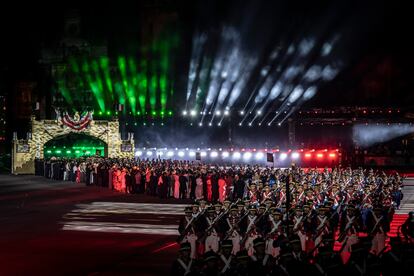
298, 221
262, 263
351, 225
275, 232
183, 264
378, 226
226, 258
233, 229
187, 229
249, 230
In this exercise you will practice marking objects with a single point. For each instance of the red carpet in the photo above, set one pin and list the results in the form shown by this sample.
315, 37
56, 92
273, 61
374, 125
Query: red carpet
397, 221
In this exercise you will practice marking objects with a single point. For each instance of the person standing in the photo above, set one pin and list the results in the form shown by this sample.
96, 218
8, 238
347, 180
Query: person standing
183, 264
209, 188
193, 185
238, 187
222, 188
183, 185
176, 185
199, 187
214, 187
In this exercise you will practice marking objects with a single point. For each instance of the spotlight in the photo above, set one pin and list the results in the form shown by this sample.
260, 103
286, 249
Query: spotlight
191, 154
259, 112
226, 112
225, 154
240, 124
181, 154
170, 153
308, 155
218, 112
259, 155
269, 124
210, 124
219, 124
200, 124
203, 154
247, 155
283, 156
332, 155
236, 155
242, 112
279, 124
295, 155
213, 154
193, 113
138, 153
185, 112
319, 155
149, 153
260, 124
250, 124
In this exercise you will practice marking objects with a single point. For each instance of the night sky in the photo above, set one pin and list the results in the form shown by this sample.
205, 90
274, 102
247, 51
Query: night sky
376, 52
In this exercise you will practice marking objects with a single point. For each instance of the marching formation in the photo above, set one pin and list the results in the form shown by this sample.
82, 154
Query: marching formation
289, 225
253, 220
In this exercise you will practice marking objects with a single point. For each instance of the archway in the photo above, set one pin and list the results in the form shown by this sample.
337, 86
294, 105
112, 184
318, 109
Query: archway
48, 133
75, 145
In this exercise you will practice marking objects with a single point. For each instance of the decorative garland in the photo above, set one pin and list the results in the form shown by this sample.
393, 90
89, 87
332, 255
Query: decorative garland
77, 123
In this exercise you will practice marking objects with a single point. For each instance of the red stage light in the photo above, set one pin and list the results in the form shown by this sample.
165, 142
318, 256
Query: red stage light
308, 155
319, 155
312, 150
332, 155
326, 150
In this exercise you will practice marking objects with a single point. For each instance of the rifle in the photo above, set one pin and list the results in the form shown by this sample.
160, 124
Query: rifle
348, 226
230, 231
213, 223
256, 219
189, 226
376, 225
232, 228
321, 228
273, 227
295, 227
251, 225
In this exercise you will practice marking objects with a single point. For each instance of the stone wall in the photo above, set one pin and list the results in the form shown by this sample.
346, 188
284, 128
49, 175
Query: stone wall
45, 130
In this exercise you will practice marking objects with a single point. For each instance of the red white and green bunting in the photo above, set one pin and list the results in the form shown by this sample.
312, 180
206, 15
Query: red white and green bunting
74, 123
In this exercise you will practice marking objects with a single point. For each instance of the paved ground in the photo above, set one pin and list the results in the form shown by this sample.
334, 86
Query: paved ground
58, 228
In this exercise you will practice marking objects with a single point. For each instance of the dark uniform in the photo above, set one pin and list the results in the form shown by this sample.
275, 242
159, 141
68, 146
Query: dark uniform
183, 264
